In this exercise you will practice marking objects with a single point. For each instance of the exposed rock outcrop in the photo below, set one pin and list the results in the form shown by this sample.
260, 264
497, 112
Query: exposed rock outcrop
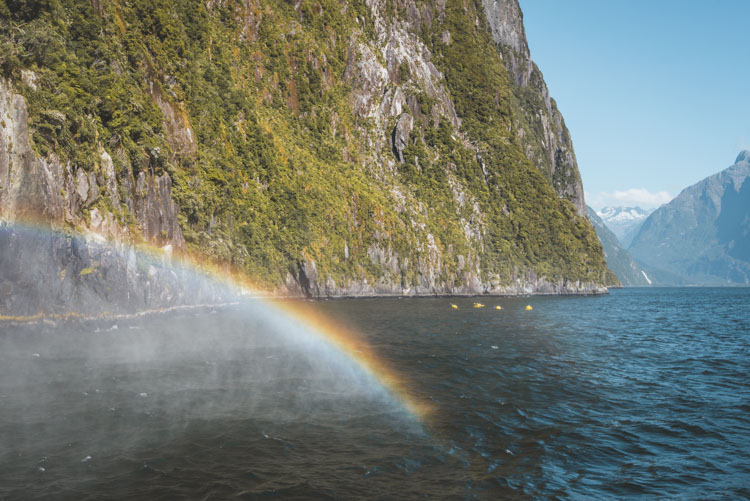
59, 272
34, 189
401, 133
544, 136
506, 25
429, 280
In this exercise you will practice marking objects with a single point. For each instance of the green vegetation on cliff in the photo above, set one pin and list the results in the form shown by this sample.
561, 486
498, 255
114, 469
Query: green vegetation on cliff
251, 108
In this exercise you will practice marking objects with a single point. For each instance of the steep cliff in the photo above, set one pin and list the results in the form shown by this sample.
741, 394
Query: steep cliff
322, 148
45, 268
540, 126
37, 189
702, 237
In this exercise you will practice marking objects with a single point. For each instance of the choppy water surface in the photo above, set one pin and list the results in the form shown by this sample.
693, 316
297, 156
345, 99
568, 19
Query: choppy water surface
642, 392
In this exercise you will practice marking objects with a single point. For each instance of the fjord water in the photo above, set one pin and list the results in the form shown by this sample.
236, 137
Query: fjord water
640, 392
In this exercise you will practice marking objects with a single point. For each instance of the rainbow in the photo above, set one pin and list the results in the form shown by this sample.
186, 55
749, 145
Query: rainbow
355, 348
343, 341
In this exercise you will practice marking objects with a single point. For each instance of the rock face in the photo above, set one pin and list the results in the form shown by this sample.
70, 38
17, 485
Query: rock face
543, 134
34, 189
54, 272
49, 270
702, 237
324, 150
619, 260
401, 133
506, 25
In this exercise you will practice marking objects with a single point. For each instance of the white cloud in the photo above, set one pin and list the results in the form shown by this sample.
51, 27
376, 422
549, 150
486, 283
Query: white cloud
640, 197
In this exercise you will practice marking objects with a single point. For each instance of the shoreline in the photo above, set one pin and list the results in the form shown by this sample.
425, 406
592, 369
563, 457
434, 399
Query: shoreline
53, 319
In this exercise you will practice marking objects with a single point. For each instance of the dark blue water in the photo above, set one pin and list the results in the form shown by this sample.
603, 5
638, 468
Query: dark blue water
641, 393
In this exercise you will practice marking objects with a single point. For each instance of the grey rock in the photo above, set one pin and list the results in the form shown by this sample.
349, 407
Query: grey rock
42, 189
179, 132
93, 189
400, 135
58, 273
42, 267
433, 278
506, 25
82, 182
553, 152
110, 180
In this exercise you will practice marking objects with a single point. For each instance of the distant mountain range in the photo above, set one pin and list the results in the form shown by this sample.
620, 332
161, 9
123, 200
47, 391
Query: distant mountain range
618, 258
702, 237
624, 222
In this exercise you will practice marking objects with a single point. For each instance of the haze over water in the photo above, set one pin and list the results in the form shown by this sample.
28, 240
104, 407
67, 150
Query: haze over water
641, 392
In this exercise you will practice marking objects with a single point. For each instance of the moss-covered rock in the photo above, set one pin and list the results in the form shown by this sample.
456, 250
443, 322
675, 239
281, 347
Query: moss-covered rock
280, 131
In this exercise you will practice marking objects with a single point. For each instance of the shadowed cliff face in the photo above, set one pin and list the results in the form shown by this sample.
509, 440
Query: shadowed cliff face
542, 131
733, 223
331, 149
61, 273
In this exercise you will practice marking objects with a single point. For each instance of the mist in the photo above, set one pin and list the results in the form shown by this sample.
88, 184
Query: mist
101, 388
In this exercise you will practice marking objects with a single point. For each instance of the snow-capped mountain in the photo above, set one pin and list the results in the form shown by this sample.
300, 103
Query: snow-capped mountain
619, 260
624, 221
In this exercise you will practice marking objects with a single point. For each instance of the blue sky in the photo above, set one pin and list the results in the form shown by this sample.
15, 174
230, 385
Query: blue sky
656, 93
